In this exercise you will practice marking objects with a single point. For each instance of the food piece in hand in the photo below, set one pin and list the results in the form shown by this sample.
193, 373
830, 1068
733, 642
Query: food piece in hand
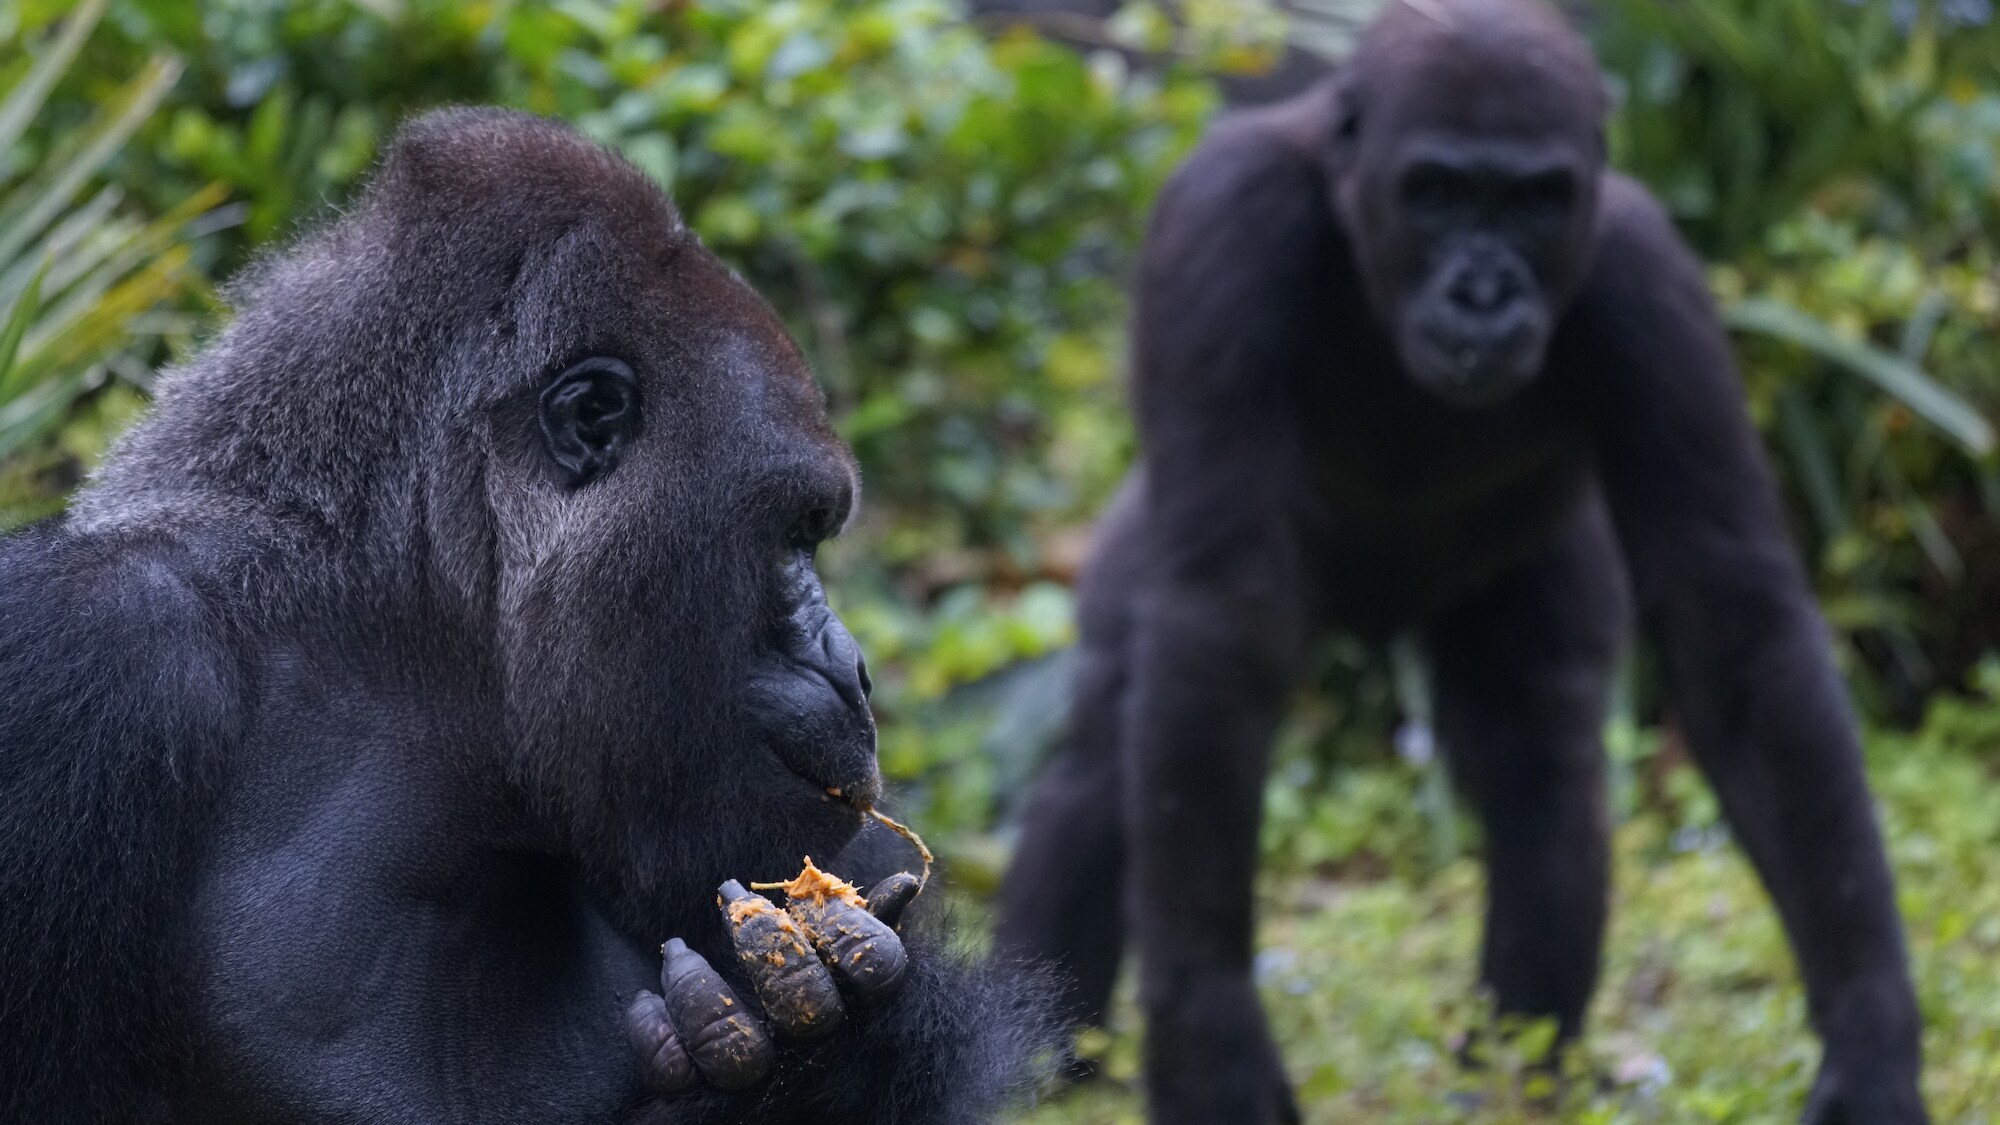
726, 1042
799, 998
864, 954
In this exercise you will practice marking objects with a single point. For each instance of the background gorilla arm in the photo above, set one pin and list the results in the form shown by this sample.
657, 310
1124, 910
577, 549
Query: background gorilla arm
1232, 279
1747, 659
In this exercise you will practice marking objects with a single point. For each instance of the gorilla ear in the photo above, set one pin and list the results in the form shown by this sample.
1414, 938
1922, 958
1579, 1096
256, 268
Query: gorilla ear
589, 413
1346, 121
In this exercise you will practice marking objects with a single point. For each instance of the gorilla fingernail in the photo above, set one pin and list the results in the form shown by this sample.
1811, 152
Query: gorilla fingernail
889, 898
799, 997
726, 1043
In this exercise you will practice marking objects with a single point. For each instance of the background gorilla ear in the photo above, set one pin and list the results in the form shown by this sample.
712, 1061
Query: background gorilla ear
1346, 122
588, 415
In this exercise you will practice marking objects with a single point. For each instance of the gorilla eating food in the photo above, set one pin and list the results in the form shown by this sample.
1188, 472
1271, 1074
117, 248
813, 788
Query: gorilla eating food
1407, 357
425, 660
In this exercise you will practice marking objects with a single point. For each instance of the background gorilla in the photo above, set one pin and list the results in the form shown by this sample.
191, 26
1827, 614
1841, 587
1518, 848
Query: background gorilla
1407, 357
443, 638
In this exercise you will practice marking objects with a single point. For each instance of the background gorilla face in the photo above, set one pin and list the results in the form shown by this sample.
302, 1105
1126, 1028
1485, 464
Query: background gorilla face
1471, 218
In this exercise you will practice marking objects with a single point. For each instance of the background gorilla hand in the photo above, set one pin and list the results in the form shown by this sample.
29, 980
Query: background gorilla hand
799, 964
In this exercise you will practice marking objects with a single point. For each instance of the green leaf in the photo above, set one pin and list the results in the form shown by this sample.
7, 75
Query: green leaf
27, 96
1901, 379
18, 319
40, 203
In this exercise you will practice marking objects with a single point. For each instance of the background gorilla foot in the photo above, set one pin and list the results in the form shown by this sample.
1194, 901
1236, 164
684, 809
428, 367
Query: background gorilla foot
1209, 1058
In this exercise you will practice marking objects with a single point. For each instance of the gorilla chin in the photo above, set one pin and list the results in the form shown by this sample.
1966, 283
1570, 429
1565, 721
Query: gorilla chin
1472, 369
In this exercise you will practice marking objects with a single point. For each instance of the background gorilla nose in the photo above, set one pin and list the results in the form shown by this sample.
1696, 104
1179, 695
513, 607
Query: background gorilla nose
1484, 290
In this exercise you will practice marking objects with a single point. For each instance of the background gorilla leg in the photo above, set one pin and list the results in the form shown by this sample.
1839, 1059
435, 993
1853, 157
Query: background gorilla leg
1214, 669
1520, 670
1061, 904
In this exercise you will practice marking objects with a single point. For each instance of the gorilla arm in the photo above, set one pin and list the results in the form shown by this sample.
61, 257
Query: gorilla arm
1746, 656
1230, 282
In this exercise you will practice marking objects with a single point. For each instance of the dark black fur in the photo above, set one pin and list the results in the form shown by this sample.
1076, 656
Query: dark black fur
443, 638
1499, 411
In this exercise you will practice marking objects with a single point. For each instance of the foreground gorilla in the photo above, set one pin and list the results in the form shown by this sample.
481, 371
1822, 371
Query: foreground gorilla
441, 641
1408, 357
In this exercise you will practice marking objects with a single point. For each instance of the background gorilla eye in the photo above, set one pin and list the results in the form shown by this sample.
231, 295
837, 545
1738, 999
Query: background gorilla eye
1551, 191
1438, 187
588, 415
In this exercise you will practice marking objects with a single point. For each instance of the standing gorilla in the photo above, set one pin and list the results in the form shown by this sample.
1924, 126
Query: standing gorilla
445, 635
1407, 356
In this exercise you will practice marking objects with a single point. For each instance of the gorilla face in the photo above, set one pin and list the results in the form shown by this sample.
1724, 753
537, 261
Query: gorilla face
662, 475
1481, 232
1467, 178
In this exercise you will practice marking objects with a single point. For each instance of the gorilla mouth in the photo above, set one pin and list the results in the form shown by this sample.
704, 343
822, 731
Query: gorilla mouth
1472, 370
860, 794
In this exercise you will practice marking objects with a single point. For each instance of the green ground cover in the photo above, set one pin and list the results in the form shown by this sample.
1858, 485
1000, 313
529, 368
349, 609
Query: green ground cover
1699, 1019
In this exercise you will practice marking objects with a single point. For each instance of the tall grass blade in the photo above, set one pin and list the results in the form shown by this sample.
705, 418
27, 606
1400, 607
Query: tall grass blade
26, 98
1901, 379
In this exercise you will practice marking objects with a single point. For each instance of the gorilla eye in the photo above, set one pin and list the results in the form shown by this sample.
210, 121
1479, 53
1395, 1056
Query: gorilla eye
1551, 191
589, 414
1438, 187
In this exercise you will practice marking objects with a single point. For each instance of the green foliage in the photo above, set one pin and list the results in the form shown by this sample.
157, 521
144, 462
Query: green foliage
1843, 159
1700, 1019
75, 270
1740, 113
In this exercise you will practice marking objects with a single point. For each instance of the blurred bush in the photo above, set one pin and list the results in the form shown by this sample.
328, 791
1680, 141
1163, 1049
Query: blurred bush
1843, 161
944, 209
78, 271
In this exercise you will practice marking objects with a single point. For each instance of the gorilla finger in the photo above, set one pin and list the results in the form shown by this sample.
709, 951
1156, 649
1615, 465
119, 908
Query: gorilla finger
866, 956
667, 1068
799, 996
728, 1044
889, 898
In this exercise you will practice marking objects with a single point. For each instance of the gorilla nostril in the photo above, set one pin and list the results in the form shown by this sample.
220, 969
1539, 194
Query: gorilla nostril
861, 670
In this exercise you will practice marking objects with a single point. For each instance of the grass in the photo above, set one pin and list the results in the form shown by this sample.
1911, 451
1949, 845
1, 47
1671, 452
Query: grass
1699, 1018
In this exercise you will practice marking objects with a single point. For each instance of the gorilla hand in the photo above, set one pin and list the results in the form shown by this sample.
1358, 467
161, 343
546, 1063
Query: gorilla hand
799, 961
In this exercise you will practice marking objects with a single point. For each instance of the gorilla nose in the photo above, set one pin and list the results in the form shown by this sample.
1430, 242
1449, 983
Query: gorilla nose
1484, 290
843, 666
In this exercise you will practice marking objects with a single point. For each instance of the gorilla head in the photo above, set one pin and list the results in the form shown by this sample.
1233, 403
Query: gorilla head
578, 445
1471, 216
443, 638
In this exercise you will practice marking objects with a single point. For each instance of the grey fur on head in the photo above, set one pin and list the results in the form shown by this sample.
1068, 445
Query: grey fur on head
342, 406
